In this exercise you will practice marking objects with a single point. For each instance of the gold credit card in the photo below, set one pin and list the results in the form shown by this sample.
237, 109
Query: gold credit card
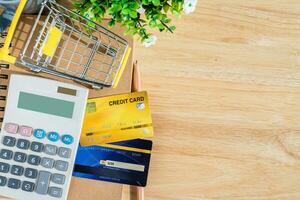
117, 118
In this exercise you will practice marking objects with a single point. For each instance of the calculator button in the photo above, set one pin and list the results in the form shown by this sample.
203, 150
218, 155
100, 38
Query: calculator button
53, 136
11, 128
58, 179
61, 165
25, 131
4, 167
9, 141
14, 183
31, 173
17, 170
47, 163
37, 147
34, 160
28, 186
50, 149
64, 152
23, 144
3, 181
42, 182
20, 157
55, 192
67, 139
6, 154
39, 133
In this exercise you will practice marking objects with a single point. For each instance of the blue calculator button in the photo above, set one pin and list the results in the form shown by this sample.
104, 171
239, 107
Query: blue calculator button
67, 139
39, 133
53, 136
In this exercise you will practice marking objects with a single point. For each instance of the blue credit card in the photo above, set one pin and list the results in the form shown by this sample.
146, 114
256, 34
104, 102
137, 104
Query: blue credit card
125, 162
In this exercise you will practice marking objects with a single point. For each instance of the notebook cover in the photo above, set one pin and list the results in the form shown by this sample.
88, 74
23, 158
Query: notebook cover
80, 188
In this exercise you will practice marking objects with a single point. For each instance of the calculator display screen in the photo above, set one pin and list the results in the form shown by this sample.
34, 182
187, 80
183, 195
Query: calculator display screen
47, 105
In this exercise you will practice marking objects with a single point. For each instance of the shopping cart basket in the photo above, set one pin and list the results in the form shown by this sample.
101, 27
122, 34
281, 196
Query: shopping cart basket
67, 45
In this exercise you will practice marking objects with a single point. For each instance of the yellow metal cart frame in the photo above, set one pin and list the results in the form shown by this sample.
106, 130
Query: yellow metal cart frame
67, 45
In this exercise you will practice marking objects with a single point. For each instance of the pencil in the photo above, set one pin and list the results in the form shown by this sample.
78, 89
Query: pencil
136, 81
137, 87
140, 193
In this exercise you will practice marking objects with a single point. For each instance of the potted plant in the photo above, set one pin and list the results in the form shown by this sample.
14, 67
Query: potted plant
137, 16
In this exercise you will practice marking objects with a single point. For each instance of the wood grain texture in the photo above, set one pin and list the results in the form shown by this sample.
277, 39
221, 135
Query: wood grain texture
225, 93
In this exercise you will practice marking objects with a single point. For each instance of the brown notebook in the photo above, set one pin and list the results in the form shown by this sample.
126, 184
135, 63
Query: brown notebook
82, 189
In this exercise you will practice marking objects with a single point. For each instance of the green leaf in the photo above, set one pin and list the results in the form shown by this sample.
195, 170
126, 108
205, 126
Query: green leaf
111, 23
77, 5
166, 7
145, 2
166, 20
152, 24
156, 2
126, 11
173, 28
133, 5
127, 32
133, 14
161, 27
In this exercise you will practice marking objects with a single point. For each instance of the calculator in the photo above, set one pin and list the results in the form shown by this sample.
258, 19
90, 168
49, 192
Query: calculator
39, 137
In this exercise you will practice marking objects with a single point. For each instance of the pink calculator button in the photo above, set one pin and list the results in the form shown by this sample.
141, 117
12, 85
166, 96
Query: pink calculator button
25, 131
11, 128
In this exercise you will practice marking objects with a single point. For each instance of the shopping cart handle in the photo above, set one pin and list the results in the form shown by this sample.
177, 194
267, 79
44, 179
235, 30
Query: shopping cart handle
4, 56
121, 70
4, 51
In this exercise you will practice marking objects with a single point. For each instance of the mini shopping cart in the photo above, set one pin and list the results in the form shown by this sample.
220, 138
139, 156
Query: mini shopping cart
65, 44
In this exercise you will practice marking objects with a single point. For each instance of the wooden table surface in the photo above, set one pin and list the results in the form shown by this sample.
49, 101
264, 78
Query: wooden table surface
225, 97
225, 93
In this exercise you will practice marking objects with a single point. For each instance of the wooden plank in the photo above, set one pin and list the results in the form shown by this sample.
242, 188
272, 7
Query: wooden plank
224, 92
